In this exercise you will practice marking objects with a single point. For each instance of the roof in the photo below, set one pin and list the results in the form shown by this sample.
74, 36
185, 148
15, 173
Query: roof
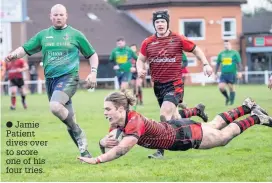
139, 4
259, 23
101, 32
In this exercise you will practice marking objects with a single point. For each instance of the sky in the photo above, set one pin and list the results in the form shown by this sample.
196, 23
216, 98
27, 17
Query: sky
249, 7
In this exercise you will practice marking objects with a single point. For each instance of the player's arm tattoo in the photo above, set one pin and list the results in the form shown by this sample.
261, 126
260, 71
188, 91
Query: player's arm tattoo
121, 151
125, 145
18, 53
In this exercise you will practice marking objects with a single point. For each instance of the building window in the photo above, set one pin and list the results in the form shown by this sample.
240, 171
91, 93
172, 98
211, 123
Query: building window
213, 60
192, 61
229, 28
194, 29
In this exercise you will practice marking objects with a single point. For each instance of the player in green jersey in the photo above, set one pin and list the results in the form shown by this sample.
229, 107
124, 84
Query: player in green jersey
228, 60
121, 56
60, 45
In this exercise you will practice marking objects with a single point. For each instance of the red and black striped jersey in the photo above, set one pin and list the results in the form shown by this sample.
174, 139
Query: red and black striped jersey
150, 134
164, 55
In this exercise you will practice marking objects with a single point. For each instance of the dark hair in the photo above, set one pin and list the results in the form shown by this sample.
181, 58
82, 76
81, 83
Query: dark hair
120, 39
133, 45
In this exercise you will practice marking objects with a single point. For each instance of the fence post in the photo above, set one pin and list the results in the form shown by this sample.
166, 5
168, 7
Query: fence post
246, 74
116, 83
203, 83
39, 86
266, 77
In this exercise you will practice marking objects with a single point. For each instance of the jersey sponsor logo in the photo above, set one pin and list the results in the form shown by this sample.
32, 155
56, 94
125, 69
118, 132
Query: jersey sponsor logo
49, 37
121, 59
162, 52
170, 93
163, 60
59, 85
66, 37
227, 61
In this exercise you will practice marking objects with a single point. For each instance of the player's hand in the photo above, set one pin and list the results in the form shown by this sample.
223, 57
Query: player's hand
109, 141
270, 83
91, 80
116, 67
133, 69
10, 57
142, 73
207, 69
239, 75
87, 160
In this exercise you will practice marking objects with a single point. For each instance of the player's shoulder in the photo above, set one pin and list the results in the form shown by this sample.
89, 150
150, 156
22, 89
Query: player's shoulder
44, 31
115, 49
132, 115
74, 31
221, 52
177, 35
127, 48
149, 39
235, 51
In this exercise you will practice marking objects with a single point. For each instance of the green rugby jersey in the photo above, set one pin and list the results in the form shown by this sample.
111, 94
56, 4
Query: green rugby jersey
122, 57
184, 60
60, 50
229, 59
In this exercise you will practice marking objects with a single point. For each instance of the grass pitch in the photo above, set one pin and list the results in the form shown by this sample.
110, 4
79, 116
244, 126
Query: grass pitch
246, 158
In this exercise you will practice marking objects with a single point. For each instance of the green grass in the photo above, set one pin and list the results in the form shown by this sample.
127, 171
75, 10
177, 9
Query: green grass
246, 158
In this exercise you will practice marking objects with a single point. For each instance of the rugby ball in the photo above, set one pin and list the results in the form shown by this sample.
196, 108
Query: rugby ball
116, 134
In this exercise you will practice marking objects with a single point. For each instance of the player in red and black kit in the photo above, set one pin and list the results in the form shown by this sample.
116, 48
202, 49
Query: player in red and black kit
173, 135
163, 51
15, 76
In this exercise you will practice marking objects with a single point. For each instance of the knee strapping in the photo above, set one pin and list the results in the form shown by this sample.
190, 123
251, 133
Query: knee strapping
59, 96
55, 108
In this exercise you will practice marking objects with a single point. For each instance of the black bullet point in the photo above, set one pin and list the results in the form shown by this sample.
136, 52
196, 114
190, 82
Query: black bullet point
9, 124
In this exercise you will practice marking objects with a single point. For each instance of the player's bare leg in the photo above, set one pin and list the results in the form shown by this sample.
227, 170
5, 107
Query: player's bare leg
124, 85
214, 138
66, 114
223, 119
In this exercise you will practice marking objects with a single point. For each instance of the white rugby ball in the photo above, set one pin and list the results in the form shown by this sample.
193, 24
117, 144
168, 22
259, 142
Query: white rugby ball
116, 134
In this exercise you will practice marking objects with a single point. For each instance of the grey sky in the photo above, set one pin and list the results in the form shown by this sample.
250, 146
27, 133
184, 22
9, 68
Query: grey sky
255, 3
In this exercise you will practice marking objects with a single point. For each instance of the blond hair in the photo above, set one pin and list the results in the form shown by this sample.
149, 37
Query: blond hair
122, 98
